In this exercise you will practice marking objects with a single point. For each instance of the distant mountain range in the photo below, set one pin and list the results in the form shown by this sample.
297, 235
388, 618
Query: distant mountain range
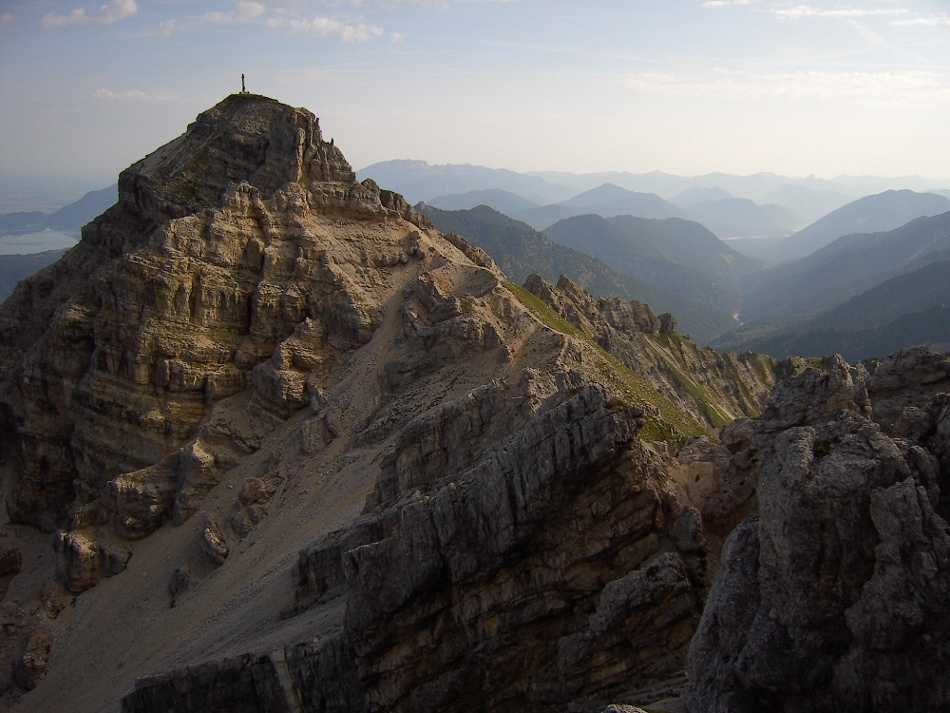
871, 214
930, 327
858, 296
68, 219
606, 200
741, 217
809, 197
14, 268
725, 216
867, 272
673, 264
865, 303
850, 265
421, 181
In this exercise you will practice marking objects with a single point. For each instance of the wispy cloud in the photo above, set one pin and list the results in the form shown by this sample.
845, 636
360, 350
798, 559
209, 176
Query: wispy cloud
797, 12
895, 15
243, 12
6, 18
251, 11
714, 4
889, 88
132, 95
322, 26
114, 11
166, 28
924, 21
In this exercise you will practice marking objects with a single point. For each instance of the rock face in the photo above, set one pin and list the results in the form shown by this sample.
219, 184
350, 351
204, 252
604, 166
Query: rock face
208, 279
495, 585
288, 436
835, 595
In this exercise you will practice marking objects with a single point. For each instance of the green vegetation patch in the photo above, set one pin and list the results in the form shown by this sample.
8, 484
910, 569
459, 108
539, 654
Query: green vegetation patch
664, 420
544, 312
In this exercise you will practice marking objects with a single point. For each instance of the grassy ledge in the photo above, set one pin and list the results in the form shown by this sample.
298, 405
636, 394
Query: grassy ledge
665, 420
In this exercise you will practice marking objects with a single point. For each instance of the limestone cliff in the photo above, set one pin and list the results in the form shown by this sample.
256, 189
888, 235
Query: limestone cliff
308, 452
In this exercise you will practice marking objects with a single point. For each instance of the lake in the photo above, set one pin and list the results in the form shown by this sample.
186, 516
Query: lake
28, 243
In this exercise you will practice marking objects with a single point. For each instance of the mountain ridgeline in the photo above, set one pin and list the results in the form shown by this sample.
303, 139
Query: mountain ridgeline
707, 301
729, 293
274, 441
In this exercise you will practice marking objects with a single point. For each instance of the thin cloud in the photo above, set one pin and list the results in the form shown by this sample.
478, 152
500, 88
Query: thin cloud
243, 12
917, 88
166, 28
797, 12
928, 21
246, 11
114, 11
6, 18
132, 95
323, 26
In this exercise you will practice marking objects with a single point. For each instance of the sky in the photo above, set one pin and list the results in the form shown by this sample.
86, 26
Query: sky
681, 86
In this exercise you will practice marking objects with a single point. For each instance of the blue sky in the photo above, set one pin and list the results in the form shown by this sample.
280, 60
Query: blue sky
683, 86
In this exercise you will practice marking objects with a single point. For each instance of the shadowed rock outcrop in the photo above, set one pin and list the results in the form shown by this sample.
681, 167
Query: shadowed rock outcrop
524, 575
834, 596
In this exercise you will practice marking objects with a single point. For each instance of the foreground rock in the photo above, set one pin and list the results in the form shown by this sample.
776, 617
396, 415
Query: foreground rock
836, 595
525, 581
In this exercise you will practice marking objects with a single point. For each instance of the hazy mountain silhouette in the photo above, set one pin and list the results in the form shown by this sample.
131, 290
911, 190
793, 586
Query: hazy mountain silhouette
607, 200
912, 292
675, 254
877, 213
845, 268
503, 201
14, 268
69, 218
810, 203
697, 195
422, 181
741, 217
904, 311
930, 327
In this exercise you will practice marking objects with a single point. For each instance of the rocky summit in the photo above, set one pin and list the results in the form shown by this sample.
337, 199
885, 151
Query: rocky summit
271, 442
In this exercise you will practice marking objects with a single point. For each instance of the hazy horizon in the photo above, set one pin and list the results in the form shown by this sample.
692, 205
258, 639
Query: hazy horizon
688, 87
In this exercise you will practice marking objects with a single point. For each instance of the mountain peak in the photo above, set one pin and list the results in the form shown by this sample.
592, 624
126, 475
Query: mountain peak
246, 138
